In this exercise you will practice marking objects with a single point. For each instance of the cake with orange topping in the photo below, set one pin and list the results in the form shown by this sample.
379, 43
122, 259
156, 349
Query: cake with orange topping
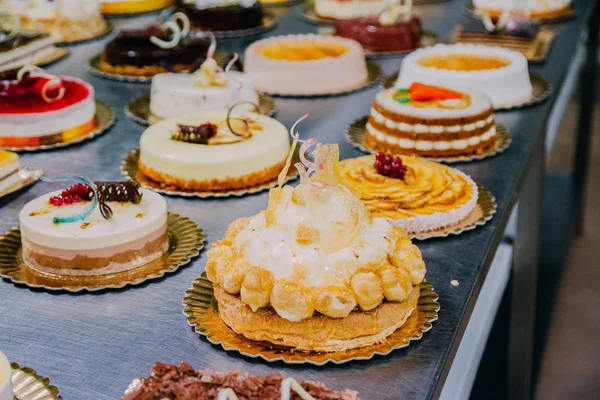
414, 194
132, 6
431, 121
306, 65
539, 9
500, 73
42, 109
315, 271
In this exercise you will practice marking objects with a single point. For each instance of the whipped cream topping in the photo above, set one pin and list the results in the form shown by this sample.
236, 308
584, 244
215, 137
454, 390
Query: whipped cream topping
315, 248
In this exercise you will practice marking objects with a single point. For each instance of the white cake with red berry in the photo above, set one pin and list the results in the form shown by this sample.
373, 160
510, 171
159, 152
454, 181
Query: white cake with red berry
42, 109
345, 9
79, 231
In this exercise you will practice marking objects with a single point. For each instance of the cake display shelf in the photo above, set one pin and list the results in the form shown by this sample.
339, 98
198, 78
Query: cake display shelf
356, 135
138, 109
25, 176
542, 90
129, 168
186, 240
202, 314
28, 385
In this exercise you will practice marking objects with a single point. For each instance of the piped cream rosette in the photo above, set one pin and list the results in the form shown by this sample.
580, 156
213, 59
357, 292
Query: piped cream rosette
315, 260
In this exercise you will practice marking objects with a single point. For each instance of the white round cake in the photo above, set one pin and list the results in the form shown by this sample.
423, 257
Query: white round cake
306, 65
174, 95
135, 235
500, 73
535, 8
225, 162
343, 9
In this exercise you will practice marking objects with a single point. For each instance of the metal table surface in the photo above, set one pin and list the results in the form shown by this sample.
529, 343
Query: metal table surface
92, 345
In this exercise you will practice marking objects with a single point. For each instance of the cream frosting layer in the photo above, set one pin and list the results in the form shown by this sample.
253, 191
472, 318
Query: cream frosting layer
129, 223
306, 77
174, 95
505, 86
336, 9
50, 122
425, 145
267, 147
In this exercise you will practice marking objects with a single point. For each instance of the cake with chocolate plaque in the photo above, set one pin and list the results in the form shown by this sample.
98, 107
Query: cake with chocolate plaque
222, 15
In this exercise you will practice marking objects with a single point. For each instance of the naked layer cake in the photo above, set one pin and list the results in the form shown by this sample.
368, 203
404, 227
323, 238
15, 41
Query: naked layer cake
132, 6
306, 64
204, 152
222, 15
431, 121
43, 109
501, 74
414, 194
79, 231
183, 382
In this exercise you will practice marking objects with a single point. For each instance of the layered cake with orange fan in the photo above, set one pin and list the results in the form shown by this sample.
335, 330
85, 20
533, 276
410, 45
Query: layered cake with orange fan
431, 121
414, 194
315, 271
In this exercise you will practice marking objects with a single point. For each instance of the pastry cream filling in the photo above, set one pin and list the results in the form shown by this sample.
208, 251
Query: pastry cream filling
425, 145
421, 128
303, 50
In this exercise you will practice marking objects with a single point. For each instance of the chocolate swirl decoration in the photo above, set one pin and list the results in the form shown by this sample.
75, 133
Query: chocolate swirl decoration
242, 125
123, 192
428, 187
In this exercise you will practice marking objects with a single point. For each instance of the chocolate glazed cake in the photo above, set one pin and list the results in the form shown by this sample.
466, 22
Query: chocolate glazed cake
186, 383
132, 53
374, 36
229, 15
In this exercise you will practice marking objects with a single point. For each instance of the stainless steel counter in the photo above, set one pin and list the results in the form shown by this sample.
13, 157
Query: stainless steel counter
92, 345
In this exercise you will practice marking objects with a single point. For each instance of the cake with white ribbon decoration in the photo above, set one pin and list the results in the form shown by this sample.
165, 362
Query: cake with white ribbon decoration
132, 233
306, 65
543, 9
202, 153
414, 194
431, 121
315, 271
501, 74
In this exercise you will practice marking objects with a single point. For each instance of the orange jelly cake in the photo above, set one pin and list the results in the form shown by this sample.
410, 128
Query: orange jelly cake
501, 74
305, 65
431, 121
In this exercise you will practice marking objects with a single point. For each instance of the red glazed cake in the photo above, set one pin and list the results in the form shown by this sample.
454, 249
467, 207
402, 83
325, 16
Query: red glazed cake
42, 109
377, 37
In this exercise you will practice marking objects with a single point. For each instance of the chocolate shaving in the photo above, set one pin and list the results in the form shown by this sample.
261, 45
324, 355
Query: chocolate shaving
195, 134
123, 192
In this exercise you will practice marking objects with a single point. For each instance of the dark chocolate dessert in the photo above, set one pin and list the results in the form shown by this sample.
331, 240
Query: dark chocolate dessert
186, 383
232, 16
375, 37
133, 53
514, 27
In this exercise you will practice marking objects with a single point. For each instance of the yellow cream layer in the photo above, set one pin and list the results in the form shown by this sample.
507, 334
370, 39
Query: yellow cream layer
463, 62
303, 51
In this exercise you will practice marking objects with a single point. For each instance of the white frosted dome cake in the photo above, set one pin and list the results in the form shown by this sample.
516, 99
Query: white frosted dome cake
306, 65
500, 73
201, 153
174, 94
431, 121
543, 9
134, 235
